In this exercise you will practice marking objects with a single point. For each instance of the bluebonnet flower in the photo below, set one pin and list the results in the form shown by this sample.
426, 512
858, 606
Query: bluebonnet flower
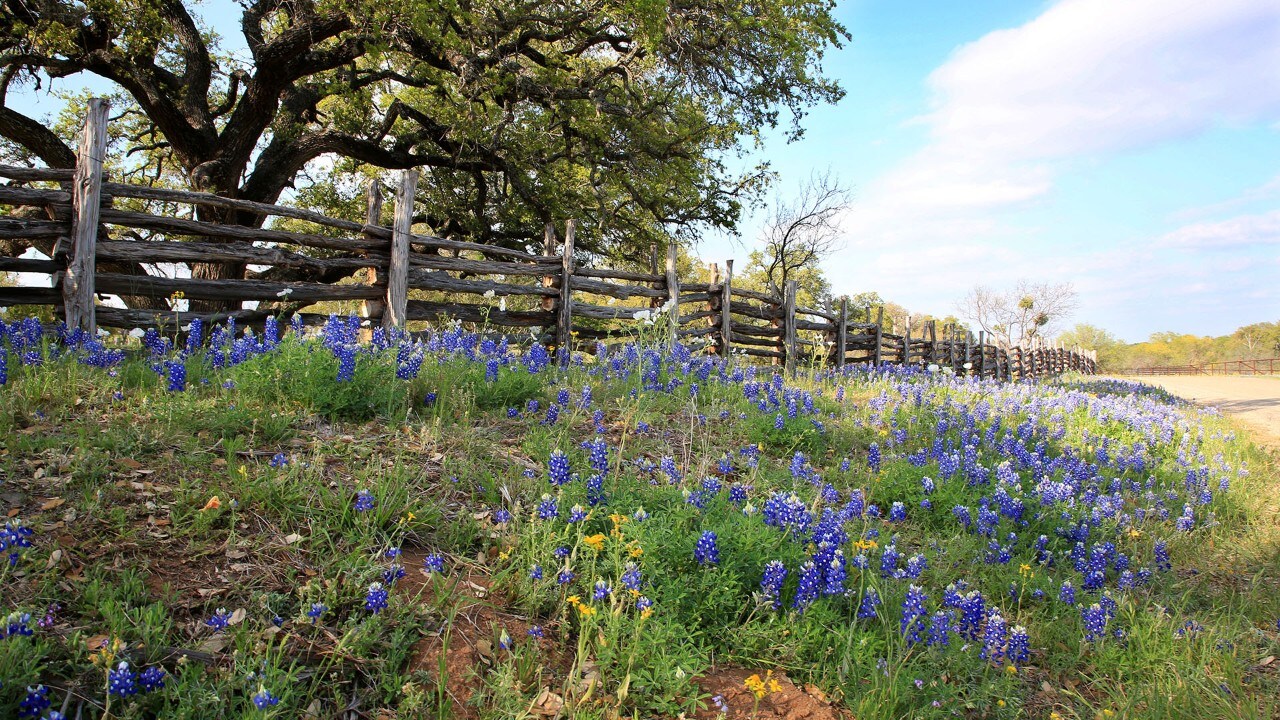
1019, 651
706, 552
502, 516
558, 469
364, 501
316, 611
788, 512
577, 513
220, 620
668, 466
995, 637
631, 576
392, 574
867, 607
807, 589
536, 631
940, 629
873, 457
263, 699
376, 599
553, 414
561, 552
601, 590
548, 507
122, 682
1162, 556
913, 612
35, 702
566, 576
430, 399
1067, 594
346, 355
535, 573
176, 372
152, 679
279, 460
16, 624
775, 573
433, 563
897, 512
643, 603
1095, 622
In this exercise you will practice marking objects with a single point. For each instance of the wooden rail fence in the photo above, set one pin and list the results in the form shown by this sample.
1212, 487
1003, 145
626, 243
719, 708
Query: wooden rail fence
1263, 366
93, 244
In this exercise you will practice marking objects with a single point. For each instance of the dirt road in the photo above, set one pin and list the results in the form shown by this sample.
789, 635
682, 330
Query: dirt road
1254, 399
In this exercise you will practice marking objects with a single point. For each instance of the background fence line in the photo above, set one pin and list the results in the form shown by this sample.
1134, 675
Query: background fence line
79, 215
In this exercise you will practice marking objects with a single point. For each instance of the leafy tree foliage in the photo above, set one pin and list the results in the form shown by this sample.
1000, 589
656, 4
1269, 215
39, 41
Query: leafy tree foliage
621, 113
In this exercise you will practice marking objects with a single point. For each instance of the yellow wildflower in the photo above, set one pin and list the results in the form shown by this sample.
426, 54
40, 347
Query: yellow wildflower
573, 600
636, 551
1012, 670
595, 541
586, 610
755, 685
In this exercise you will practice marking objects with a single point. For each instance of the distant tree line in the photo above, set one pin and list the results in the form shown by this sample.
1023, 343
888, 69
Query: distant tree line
1258, 340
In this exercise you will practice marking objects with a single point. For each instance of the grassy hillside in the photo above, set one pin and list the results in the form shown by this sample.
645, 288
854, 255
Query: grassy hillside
274, 525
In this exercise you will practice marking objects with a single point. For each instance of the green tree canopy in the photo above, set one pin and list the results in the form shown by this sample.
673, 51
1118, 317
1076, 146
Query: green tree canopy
621, 113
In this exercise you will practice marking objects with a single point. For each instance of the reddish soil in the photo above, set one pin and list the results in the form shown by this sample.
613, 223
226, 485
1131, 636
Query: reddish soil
789, 703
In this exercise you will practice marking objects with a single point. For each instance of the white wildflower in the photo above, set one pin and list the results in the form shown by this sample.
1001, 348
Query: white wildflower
285, 293
137, 333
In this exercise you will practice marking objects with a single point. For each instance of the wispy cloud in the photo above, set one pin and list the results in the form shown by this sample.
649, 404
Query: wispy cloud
1234, 233
1014, 110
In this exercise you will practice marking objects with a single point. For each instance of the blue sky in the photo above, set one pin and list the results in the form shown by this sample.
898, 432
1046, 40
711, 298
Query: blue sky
1129, 148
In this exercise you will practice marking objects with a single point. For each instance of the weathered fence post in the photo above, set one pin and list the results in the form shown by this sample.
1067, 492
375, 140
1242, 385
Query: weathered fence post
933, 342
373, 216
673, 293
86, 207
842, 332
951, 348
906, 343
982, 353
549, 249
877, 355
564, 318
968, 341
789, 326
398, 270
713, 307
726, 302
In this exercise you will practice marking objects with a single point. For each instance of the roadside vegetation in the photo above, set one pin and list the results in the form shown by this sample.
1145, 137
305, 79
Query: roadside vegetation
335, 523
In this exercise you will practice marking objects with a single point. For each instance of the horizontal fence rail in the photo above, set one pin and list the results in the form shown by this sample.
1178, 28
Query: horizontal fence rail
96, 248
1263, 366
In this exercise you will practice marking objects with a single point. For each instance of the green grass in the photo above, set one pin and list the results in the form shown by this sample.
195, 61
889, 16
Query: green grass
130, 546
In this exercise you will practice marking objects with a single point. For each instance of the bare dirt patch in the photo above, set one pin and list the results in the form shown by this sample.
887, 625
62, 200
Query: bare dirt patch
790, 702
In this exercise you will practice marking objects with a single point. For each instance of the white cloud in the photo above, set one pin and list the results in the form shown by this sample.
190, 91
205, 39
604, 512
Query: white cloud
1234, 233
1013, 110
